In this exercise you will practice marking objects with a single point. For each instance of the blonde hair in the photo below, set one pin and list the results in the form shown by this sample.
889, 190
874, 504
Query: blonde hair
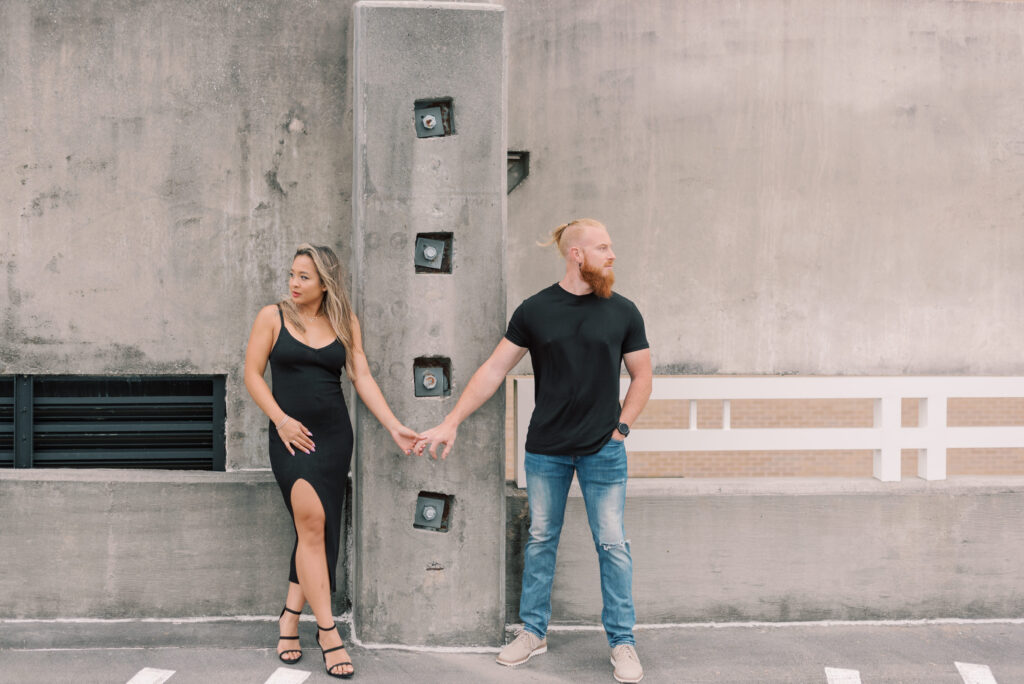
335, 303
559, 238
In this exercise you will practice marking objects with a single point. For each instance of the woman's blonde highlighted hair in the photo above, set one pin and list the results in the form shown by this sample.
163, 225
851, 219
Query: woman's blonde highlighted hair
335, 305
563, 241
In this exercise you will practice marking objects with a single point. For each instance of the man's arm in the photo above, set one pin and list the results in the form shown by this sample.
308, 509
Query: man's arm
482, 385
638, 364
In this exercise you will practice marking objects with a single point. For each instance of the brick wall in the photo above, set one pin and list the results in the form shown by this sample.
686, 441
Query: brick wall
823, 413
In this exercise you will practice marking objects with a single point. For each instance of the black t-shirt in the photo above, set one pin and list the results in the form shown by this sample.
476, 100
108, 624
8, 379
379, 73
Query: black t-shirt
576, 344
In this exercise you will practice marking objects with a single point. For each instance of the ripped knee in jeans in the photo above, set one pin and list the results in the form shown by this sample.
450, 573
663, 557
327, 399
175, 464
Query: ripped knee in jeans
611, 546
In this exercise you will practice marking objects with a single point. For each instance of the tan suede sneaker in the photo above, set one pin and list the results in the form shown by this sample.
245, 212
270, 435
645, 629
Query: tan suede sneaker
627, 664
523, 647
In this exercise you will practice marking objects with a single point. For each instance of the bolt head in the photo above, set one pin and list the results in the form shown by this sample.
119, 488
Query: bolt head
429, 381
430, 252
428, 121
429, 512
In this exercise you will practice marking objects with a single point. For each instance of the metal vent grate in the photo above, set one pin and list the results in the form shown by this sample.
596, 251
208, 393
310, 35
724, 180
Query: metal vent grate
123, 422
6, 422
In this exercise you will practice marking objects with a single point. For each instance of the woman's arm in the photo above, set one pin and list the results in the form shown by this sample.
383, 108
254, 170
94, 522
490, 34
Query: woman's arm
261, 341
373, 398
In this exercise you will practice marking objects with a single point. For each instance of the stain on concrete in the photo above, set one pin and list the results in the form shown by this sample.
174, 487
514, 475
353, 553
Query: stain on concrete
273, 183
684, 368
35, 340
52, 199
399, 240
78, 166
517, 531
295, 121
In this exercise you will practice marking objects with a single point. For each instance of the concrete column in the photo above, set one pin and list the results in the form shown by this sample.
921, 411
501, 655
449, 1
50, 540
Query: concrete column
414, 586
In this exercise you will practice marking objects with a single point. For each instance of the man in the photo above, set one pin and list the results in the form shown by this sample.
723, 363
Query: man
578, 333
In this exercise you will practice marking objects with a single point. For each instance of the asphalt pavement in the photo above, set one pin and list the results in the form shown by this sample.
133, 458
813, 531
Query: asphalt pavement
242, 651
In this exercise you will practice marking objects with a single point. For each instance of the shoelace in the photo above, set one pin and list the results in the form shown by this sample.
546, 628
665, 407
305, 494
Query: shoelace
629, 653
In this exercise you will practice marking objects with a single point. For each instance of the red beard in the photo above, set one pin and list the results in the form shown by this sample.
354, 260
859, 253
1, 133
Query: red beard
597, 280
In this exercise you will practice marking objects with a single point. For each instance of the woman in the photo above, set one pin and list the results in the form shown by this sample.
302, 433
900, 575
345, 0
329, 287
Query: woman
309, 339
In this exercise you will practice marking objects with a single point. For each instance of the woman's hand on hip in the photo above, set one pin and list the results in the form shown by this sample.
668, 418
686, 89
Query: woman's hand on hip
294, 434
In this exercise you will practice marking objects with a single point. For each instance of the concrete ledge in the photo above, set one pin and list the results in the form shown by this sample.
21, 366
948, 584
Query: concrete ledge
117, 543
792, 550
114, 543
105, 475
774, 486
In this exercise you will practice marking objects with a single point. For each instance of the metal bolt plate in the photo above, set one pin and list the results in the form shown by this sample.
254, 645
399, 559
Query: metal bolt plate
425, 247
429, 511
426, 116
430, 382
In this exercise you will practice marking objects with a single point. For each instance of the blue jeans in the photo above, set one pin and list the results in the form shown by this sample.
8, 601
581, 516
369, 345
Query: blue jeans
602, 478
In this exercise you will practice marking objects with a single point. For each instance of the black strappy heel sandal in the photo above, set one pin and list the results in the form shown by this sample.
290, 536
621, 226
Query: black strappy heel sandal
289, 661
347, 675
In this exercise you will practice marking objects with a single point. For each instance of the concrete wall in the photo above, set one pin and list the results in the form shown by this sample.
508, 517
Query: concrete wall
813, 187
406, 185
160, 162
117, 544
792, 186
738, 550
114, 544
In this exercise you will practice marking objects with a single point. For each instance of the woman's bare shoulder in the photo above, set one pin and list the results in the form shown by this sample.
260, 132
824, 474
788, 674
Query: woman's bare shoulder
267, 315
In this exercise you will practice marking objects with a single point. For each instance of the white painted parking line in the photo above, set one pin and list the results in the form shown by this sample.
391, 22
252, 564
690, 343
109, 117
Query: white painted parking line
834, 675
283, 675
151, 675
975, 674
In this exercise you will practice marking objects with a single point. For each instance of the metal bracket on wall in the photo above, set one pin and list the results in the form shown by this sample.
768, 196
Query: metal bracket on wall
429, 253
433, 511
518, 168
431, 382
431, 376
433, 253
433, 118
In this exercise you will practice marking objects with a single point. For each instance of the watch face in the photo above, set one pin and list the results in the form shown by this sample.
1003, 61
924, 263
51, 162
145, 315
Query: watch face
623, 429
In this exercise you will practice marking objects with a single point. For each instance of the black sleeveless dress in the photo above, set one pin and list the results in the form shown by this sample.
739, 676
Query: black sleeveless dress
307, 387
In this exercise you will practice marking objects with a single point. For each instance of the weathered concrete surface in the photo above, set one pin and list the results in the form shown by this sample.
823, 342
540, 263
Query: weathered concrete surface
792, 186
764, 550
413, 586
159, 163
820, 187
116, 544
121, 544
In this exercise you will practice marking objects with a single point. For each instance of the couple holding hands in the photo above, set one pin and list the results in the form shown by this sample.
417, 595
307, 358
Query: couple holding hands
578, 333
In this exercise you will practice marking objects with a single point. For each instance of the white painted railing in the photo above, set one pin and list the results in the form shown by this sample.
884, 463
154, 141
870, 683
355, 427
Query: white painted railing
886, 437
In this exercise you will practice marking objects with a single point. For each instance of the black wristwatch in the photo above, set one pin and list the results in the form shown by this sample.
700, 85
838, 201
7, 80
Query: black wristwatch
623, 429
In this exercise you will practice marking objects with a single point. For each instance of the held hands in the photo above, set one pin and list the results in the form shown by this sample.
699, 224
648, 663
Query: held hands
440, 434
405, 438
294, 433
